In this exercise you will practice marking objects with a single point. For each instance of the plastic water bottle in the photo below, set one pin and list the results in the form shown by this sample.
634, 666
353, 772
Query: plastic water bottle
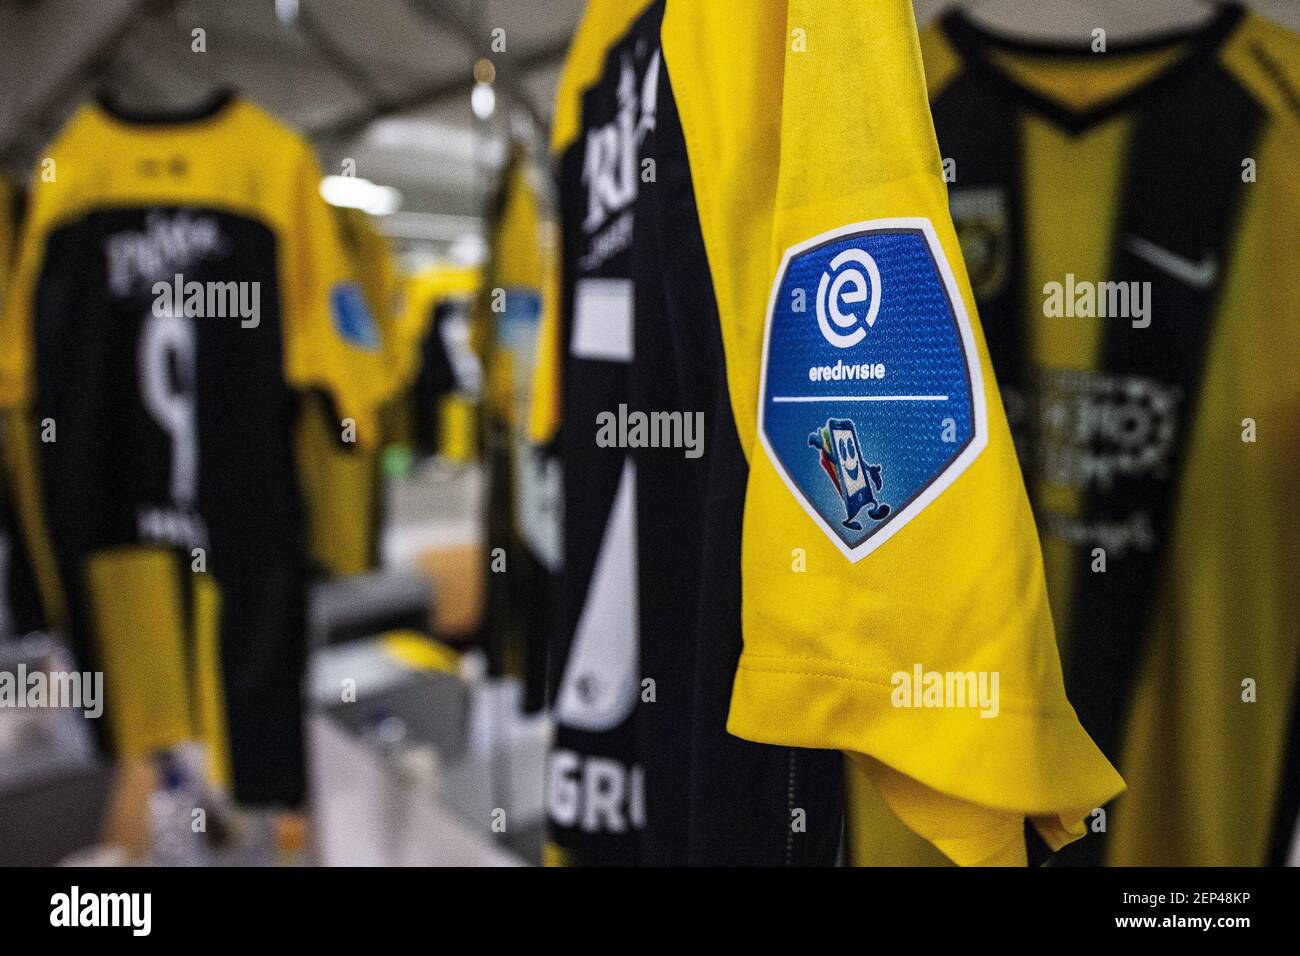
171, 817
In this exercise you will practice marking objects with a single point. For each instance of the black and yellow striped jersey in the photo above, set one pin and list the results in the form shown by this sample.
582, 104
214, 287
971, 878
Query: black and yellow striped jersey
756, 245
180, 286
1128, 222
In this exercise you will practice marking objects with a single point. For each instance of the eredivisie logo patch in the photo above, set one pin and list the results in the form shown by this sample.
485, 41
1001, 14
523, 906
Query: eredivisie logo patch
871, 400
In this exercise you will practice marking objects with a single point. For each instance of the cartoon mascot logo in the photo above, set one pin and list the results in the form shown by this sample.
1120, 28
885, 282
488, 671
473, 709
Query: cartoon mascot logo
856, 481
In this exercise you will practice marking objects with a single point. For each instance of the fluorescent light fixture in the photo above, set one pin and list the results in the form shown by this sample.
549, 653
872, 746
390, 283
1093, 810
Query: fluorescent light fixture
483, 101
353, 192
429, 226
438, 150
469, 249
287, 11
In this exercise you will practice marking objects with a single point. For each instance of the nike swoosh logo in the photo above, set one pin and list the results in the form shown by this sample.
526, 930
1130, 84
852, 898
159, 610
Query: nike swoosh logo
1198, 275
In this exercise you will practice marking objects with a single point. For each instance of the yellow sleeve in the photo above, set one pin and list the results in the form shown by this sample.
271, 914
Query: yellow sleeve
342, 486
515, 266
44, 205
21, 433
332, 340
545, 401
822, 129
375, 266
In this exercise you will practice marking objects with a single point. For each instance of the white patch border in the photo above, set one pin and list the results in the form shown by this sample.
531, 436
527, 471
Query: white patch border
978, 442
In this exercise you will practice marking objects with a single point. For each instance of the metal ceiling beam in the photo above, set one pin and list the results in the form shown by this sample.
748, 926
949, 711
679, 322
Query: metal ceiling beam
353, 73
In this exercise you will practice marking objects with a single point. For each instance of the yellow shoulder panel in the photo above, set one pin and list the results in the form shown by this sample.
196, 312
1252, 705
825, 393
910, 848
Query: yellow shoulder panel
602, 22
1265, 58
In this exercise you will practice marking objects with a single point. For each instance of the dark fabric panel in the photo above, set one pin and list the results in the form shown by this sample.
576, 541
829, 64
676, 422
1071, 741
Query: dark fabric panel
435, 380
1286, 823
981, 132
595, 248
732, 800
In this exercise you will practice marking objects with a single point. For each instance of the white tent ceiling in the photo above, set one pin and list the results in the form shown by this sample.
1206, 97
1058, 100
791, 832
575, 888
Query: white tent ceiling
383, 82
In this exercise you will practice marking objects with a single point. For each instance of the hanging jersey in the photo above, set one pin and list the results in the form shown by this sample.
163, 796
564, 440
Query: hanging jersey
780, 430
1126, 221
180, 284
20, 606
521, 519
345, 482
439, 374
595, 784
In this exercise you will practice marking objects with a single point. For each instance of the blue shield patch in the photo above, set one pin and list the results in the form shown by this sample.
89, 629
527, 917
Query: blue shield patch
352, 319
871, 401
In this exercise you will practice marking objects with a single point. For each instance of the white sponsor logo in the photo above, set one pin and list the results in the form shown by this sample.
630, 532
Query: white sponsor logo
1116, 537
599, 688
166, 245
594, 794
1096, 427
1198, 275
851, 286
609, 165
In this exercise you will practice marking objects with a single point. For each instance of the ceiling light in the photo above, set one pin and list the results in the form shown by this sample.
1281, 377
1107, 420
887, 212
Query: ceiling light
483, 101
353, 192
